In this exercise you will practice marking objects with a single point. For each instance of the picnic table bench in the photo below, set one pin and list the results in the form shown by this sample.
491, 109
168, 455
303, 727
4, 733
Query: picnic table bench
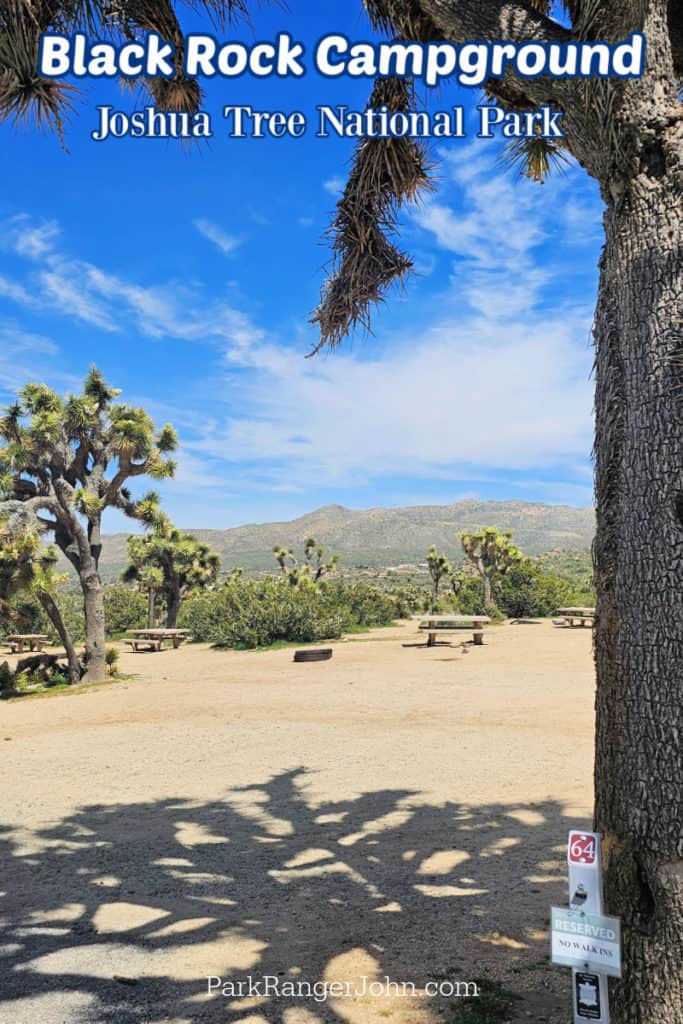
578, 616
141, 643
19, 642
434, 624
153, 639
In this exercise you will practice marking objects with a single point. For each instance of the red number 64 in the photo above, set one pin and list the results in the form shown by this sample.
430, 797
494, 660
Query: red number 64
582, 849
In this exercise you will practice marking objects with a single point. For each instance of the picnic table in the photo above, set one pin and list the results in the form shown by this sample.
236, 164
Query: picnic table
153, 639
436, 623
19, 642
578, 616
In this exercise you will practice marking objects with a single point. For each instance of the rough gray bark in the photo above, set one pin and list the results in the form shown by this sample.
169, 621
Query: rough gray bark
639, 544
76, 544
496, 20
95, 640
639, 576
173, 599
151, 603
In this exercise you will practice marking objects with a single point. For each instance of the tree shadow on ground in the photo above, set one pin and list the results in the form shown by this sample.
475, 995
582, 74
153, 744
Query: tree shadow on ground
265, 882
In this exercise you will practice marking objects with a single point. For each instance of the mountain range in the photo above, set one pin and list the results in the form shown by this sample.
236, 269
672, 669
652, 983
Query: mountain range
381, 537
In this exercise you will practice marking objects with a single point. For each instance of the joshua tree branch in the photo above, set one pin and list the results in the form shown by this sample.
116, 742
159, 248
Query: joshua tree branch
126, 470
126, 505
25, 512
23, 486
492, 21
48, 524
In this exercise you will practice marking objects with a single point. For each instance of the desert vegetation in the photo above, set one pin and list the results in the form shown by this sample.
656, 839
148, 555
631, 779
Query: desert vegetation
66, 460
170, 563
492, 554
243, 612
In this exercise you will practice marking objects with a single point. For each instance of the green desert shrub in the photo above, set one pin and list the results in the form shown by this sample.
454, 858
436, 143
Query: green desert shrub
111, 660
24, 615
365, 604
257, 613
124, 608
526, 591
27, 616
409, 600
71, 607
470, 599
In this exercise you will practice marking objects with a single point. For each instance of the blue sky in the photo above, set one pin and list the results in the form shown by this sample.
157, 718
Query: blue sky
188, 277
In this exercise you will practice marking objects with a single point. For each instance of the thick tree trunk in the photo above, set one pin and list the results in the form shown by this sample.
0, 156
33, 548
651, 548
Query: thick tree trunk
93, 605
95, 540
151, 602
639, 579
172, 607
55, 616
488, 595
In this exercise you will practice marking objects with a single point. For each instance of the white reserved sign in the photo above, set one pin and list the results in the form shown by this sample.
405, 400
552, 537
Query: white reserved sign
589, 941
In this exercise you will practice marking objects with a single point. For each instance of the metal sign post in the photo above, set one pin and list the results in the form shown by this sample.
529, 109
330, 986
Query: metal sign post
589, 986
585, 874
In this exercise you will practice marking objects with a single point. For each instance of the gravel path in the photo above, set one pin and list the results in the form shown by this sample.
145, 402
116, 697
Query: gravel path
397, 811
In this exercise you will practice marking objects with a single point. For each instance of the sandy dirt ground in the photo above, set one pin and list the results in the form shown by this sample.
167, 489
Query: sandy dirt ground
398, 812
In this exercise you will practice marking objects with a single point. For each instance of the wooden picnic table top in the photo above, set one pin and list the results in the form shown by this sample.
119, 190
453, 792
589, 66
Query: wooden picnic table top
438, 617
28, 636
157, 632
588, 612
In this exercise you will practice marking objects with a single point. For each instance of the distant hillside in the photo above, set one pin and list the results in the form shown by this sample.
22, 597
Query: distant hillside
388, 536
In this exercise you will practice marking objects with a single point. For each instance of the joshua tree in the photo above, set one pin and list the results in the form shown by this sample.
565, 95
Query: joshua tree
150, 580
174, 562
438, 566
316, 562
63, 462
285, 559
492, 553
27, 566
627, 134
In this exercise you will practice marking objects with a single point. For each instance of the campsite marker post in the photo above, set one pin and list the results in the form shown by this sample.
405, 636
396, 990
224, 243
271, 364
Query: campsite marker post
584, 857
583, 938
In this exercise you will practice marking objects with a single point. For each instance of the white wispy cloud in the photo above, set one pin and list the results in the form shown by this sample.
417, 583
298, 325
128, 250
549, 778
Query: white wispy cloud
501, 234
459, 398
36, 241
94, 295
490, 378
66, 292
28, 237
494, 383
220, 238
25, 355
15, 291
334, 186
26, 342
500, 220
